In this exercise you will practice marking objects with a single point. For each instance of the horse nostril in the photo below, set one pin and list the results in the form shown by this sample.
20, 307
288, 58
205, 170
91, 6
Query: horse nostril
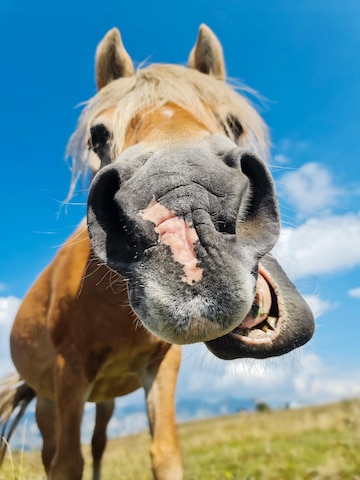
101, 197
228, 228
231, 159
109, 227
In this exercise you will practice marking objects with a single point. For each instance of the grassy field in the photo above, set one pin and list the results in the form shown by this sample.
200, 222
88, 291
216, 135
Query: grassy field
318, 443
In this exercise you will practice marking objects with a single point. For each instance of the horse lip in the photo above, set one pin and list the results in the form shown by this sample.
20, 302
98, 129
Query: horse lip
270, 336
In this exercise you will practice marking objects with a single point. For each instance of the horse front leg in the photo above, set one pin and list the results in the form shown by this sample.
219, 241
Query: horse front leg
104, 411
159, 381
71, 392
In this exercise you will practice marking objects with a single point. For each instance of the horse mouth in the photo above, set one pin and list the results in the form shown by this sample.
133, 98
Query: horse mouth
262, 325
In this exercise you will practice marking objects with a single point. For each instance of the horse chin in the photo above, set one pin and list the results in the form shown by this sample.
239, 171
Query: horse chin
181, 312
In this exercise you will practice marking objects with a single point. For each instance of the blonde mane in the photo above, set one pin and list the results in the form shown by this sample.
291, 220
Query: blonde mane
207, 98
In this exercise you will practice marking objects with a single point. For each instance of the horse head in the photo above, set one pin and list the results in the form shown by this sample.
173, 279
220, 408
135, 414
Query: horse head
183, 204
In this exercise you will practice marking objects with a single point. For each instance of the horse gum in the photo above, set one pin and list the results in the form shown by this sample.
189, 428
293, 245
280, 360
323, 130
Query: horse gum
262, 304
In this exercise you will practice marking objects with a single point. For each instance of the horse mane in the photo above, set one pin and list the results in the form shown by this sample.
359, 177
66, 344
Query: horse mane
208, 99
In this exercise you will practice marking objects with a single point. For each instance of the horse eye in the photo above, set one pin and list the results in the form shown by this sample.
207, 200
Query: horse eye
235, 126
99, 136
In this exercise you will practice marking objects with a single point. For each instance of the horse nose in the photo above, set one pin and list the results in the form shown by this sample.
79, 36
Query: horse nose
233, 206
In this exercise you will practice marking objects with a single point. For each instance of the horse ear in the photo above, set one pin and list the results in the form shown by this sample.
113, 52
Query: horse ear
207, 55
112, 60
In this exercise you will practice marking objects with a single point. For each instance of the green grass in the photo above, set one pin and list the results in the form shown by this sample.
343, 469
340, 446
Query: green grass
318, 443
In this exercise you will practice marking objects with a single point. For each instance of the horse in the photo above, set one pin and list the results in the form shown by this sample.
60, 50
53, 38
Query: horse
182, 214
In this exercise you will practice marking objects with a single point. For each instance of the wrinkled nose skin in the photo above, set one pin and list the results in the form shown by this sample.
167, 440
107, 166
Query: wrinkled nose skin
186, 227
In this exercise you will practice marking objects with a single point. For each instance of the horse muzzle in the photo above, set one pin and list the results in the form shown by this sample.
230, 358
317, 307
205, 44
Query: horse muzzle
186, 227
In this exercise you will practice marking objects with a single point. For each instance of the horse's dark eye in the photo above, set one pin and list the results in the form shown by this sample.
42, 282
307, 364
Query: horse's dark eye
99, 142
235, 126
99, 136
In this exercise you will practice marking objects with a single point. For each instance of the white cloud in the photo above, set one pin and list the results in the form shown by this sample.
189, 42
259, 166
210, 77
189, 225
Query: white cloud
281, 159
299, 377
309, 189
120, 424
318, 305
291, 147
320, 246
133, 422
8, 309
203, 374
319, 383
354, 292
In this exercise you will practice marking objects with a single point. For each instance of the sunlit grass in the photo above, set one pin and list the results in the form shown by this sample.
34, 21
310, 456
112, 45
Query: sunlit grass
19, 465
318, 443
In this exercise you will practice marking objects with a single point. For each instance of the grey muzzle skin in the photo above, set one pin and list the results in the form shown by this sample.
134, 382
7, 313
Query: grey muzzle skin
225, 198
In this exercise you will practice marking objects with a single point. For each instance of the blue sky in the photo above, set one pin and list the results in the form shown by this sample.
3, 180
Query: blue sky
302, 57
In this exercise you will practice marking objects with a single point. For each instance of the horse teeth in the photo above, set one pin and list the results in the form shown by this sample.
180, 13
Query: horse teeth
272, 322
257, 333
241, 331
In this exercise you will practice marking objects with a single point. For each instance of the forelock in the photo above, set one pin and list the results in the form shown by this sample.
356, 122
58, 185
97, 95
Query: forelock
206, 98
